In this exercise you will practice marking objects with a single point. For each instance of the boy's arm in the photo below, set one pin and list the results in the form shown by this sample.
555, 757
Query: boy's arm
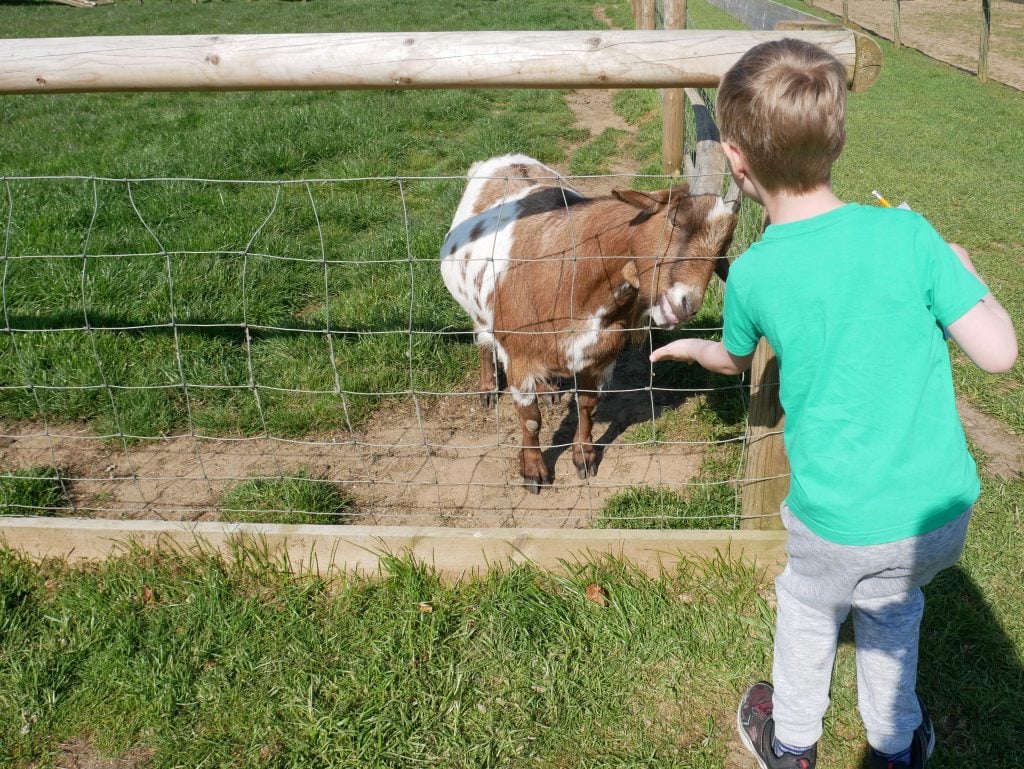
985, 332
711, 355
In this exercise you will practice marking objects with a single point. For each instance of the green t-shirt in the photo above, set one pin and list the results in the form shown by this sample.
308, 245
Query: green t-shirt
854, 302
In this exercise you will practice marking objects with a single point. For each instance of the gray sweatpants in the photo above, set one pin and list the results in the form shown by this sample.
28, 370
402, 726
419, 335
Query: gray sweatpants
881, 585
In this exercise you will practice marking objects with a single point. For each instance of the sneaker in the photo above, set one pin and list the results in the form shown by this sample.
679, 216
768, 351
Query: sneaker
757, 730
921, 746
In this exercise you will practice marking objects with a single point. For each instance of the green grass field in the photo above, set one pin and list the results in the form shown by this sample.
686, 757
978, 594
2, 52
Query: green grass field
173, 661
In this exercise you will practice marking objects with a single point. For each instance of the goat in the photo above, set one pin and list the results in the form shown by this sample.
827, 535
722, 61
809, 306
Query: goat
554, 282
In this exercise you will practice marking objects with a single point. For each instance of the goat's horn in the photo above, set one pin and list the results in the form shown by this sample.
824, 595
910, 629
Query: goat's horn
630, 275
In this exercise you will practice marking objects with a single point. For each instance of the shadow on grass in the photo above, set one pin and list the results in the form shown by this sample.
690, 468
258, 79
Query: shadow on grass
970, 676
218, 327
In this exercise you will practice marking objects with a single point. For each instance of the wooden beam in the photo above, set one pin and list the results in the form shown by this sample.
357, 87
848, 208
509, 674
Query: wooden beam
986, 33
647, 17
709, 170
897, 39
604, 59
455, 553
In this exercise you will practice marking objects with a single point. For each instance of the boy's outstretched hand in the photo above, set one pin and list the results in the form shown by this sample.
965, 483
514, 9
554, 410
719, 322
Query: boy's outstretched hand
711, 355
684, 350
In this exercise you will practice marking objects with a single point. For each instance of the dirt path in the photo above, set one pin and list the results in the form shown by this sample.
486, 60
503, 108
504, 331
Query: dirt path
948, 30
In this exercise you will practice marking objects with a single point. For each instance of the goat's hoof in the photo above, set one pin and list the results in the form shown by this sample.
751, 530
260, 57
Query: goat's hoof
585, 468
534, 483
489, 399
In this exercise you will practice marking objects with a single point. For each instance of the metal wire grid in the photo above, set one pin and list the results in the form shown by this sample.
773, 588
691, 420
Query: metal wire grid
377, 494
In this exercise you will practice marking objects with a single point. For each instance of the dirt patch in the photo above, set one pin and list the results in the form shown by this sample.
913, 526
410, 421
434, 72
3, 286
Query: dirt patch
443, 460
1003, 448
79, 753
948, 30
594, 111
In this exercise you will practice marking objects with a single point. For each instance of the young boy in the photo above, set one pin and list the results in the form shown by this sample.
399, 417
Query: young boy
855, 301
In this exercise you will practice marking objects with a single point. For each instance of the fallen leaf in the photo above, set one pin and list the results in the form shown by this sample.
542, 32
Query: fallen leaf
597, 594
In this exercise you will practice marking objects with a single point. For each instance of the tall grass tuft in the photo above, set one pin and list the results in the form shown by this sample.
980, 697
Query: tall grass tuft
33, 491
298, 498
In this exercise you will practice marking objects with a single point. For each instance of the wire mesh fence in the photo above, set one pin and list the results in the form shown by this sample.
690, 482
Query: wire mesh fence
194, 349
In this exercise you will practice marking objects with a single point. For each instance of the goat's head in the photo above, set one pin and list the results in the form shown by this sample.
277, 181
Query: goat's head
679, 241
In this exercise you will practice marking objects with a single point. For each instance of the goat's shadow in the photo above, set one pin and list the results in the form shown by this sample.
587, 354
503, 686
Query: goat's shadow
631, 398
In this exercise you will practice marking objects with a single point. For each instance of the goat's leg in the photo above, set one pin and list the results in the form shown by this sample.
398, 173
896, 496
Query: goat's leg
531, 460
488, 377
585, 455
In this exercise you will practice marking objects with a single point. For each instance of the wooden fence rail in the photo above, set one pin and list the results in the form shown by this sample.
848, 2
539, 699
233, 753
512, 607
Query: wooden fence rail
606, 59
326, 550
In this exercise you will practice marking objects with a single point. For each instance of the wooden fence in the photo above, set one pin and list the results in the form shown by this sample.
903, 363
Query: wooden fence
671, 59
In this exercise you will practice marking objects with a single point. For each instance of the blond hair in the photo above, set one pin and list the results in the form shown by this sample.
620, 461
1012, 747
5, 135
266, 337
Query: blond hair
784, 105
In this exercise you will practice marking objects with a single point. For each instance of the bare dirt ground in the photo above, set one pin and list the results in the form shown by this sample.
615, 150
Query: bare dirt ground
442, 461
948, 30
438, 461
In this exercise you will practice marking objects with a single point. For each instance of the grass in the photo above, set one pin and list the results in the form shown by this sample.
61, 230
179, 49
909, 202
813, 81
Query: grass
196, 660
33, 491
298, 498
224, 663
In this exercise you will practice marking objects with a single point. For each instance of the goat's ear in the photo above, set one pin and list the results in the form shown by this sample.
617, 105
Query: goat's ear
626, 292
722, 267
642, 200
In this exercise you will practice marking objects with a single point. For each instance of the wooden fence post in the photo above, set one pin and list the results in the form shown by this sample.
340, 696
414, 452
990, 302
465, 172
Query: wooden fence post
846, 12
896, 23
986, 31
766, 476
673, 123
647, 15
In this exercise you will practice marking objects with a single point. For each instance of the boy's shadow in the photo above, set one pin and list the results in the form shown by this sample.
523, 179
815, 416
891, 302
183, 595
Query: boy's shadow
971, 678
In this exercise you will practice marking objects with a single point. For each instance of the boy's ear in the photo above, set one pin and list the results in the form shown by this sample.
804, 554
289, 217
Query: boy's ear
737, 161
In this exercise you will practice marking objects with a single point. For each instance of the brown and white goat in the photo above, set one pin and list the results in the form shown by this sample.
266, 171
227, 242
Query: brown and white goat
554, 282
